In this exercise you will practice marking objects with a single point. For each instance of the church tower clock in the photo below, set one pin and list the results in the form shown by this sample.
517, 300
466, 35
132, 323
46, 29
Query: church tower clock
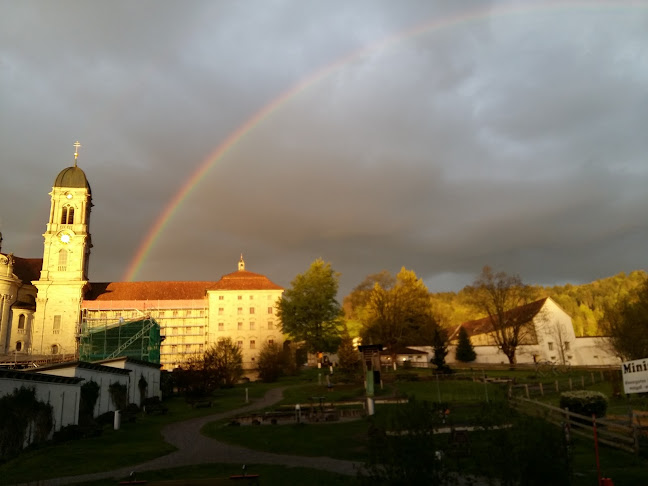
64, 275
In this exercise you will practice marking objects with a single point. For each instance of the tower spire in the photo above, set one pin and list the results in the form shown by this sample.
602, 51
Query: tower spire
241, 265
76, 152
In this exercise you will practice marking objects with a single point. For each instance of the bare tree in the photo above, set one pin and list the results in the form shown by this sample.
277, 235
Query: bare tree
500, 296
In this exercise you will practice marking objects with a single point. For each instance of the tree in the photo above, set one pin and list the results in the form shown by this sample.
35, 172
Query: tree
465, 351
309, 311
440, 346
220, 366
497, 295
400, 315
271, 362
350, 362
626, 324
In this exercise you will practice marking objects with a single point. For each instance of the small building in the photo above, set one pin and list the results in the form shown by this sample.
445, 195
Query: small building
141, 372
547, 335
104, 376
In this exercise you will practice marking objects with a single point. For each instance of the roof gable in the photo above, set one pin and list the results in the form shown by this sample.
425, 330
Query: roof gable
244, 280
524, 313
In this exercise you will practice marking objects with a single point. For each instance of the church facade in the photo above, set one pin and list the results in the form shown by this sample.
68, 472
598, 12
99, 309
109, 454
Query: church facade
45, 304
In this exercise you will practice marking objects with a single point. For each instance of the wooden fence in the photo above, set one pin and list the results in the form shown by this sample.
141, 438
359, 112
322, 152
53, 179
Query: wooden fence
620, 432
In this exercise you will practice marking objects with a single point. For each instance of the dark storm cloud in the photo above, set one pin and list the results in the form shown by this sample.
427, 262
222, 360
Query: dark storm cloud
513, 139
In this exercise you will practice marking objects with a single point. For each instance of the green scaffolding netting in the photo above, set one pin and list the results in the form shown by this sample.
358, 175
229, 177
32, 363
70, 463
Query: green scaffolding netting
139, 339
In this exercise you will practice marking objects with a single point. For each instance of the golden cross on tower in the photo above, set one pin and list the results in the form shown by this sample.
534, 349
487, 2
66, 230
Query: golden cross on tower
76, 152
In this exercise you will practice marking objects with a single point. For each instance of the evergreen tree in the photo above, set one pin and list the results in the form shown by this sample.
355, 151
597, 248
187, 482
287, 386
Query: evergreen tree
440, 345
465, 351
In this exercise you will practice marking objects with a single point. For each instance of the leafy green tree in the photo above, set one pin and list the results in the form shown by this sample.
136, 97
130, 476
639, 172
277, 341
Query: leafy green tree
350, 362
221, 365
309, 311
465, 351
496, 295
271, 362
627, 324
400, 315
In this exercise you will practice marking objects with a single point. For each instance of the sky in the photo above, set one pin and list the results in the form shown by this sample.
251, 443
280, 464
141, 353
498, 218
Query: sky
437, 136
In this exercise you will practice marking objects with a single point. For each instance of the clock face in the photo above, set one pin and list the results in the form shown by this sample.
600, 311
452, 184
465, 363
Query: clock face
65, 238
68, 195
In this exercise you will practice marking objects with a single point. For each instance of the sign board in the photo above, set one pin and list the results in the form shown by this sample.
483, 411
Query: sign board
635, 376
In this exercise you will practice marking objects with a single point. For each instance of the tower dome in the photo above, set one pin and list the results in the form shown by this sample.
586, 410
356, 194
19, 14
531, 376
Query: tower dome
72, 177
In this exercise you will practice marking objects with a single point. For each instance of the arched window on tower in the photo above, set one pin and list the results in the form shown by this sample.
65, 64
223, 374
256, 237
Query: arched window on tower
62, 260
21, 324
67, 215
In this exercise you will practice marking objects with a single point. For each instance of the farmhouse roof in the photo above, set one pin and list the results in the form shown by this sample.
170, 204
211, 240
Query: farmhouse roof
524, 313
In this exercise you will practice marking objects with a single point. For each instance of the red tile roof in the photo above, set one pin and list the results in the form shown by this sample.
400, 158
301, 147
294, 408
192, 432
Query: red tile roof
27, 269
523, 313
132, 291
105, 291
244, 280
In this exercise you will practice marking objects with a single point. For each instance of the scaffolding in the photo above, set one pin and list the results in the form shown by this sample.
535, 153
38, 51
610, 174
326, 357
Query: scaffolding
139, 339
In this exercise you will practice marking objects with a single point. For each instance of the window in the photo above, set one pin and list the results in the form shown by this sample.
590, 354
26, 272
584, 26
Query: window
251, 297
252, 344
240, 326
62, 260
221, 311
220, 297
239, 343
201, 313
175, 313
550, 346
239, 310
55, 349
270, 325
187, 348
161, 313
19, 346
187, 312
240, 297
188, 330
270, 341
251, 310
56, 326
103, 315
67, 215
21, 324
173, 348
566, 345
270, 310
221, 326
200, 348
251, 326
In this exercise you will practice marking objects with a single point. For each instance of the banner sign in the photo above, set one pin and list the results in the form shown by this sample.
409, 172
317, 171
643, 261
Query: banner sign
635, 376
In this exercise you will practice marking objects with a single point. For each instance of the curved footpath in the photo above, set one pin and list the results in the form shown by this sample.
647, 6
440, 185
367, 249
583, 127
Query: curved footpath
195, 448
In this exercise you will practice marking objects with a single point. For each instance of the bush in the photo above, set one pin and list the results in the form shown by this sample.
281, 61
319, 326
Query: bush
585, 402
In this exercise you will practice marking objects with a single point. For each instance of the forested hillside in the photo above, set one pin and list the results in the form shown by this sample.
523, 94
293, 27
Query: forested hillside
584, 303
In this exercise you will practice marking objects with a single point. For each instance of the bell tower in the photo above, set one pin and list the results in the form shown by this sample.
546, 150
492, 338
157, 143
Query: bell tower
64, 275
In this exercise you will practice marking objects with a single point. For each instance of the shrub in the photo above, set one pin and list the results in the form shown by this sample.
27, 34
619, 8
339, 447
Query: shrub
584, 402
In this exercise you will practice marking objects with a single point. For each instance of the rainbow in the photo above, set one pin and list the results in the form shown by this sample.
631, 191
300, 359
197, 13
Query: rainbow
312, 78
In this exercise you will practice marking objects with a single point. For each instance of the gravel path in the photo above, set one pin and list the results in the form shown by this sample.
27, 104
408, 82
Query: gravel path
194, 448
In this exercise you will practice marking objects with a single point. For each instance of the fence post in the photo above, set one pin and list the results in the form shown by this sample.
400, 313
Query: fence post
570, 385
582, 381
541, 390
557, 389
602, 379
592, 375
526, 388
635, 434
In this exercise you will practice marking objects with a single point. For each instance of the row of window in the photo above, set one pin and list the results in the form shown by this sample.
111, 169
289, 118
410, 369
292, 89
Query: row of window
188, 348
239, 326
565, 345
240, 297
239, 311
